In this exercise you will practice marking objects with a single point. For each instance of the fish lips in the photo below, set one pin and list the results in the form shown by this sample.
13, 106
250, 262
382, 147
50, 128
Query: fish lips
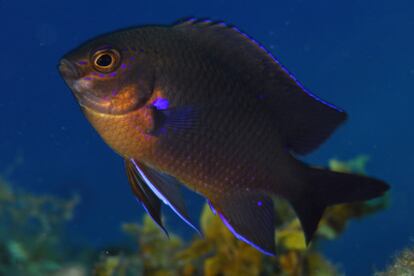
82, 89
68, 70
71, 75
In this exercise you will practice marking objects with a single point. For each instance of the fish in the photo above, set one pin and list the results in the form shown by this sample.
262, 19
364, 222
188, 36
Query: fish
201, 104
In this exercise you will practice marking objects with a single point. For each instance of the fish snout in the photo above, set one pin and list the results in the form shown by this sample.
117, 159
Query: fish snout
68, 70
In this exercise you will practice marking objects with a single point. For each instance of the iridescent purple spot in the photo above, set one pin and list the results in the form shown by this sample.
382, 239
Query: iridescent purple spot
161, 103
259, 203
113, 74
82, 62
123, 66
87, 78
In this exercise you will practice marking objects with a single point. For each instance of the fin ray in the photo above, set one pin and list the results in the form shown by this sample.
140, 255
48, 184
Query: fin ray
167, 189
173, 118
305, 121
144, 195
250, 217
323, 188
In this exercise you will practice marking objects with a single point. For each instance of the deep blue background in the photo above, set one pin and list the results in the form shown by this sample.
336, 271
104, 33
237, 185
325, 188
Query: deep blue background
356, 54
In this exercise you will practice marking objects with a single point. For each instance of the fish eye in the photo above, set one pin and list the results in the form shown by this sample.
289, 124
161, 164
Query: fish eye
106, 61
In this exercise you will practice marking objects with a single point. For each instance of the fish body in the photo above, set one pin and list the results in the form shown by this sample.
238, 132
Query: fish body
203, 105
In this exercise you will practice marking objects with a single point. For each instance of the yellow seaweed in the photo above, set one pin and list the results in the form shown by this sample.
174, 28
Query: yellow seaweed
217, 253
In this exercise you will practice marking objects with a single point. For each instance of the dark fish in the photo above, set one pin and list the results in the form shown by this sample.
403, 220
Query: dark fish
201, 104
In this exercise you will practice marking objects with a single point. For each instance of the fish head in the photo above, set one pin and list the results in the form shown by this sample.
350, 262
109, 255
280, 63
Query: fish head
111, 74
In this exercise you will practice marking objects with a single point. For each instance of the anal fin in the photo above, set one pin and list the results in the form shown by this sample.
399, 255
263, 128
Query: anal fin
250, 217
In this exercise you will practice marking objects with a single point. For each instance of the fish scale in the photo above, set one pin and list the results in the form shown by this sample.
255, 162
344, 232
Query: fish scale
201, 156
203, 105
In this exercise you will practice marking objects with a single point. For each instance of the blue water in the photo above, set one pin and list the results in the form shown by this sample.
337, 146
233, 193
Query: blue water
356, 54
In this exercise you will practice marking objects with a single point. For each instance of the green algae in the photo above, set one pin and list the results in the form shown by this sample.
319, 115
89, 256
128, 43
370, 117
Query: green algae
31, 231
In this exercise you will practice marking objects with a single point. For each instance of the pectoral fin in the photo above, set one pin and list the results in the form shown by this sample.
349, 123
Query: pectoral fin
144, 194
174, 118
166, 188
250, 217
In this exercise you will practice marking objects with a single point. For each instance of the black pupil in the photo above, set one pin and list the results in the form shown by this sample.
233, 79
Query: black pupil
104, 60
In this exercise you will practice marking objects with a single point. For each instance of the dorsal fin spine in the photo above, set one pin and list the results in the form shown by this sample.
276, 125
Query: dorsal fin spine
195, 22
286, 70
314, 119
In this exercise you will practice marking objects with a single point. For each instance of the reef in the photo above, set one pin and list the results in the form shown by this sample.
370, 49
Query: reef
220, 253
402, 265
31, 231
32, 241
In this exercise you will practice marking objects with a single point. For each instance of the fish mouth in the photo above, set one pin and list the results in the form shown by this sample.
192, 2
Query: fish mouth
87, 99
68, 70
72, 76
91, 98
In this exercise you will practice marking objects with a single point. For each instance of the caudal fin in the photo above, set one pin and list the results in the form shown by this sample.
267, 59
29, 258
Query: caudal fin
324, 188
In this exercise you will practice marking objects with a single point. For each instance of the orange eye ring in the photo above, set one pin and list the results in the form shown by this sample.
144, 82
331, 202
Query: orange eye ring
106, 61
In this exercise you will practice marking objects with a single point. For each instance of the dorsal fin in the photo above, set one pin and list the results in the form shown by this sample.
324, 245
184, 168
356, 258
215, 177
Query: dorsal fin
304, 120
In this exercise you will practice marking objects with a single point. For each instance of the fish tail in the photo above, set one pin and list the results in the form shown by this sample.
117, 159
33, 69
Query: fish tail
250, 215
323, 188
